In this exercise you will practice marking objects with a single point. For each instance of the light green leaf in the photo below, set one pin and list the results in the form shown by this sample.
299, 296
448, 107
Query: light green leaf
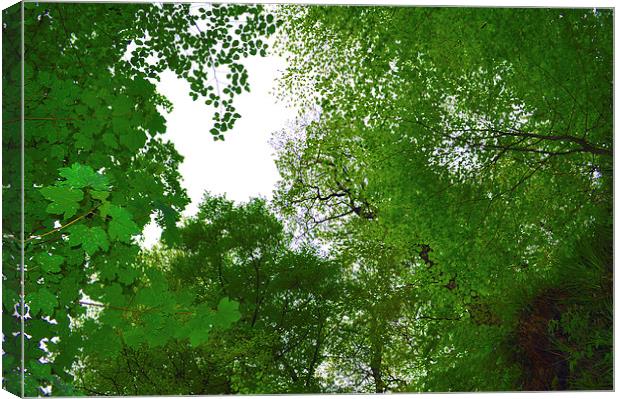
79, 176
65, 200
227, 313
100, 195
91, 239
121, 227
200, 327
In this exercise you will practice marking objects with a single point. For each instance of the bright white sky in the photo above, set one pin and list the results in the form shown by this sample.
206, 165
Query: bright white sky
243, 165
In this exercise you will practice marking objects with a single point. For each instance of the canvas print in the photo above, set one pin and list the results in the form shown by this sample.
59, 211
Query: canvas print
222, 198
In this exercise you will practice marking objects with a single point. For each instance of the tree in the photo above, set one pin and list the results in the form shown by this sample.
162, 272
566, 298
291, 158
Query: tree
326, 186
286, 300
478, 140
96, 167
445, 203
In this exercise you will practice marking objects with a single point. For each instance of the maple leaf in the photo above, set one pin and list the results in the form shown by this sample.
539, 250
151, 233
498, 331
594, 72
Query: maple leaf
65, 200
41, 300
227, 313
103, 337
133, 140
121, 106
57, 151
109, 139
100, 195
114, 295
200, 327
49, 263
38, 369
67, 290
134, 337
83, 140
198, 337
91, 239
150, 297
121, 227
79, 176
127, 275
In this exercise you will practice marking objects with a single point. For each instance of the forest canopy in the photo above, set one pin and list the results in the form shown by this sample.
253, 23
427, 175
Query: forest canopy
443, 220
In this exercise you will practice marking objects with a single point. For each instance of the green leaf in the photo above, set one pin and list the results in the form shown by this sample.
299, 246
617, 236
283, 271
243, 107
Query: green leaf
170, 216
91, 99
49, 263
65, 200
38, 329
40, 370
68, 290
227, 313
150, 297
200, 328
103, 337
170, 234
41, 300
134, 337
79, 176
121, 106
121, 227
113, 295
120, 126
109, 140
91, 239
198, 337
160, 328
32, 384
84, 140
100, 195
133, 140
58, 151
127, 275
112, 318
8, 361
9, 298
156, 124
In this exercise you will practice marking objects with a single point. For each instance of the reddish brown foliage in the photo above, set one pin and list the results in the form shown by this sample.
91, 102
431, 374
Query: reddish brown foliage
544, 367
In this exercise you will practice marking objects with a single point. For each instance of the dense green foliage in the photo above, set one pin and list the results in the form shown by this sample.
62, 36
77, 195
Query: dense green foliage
286, 297
96, 169
443, 222
468, 150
